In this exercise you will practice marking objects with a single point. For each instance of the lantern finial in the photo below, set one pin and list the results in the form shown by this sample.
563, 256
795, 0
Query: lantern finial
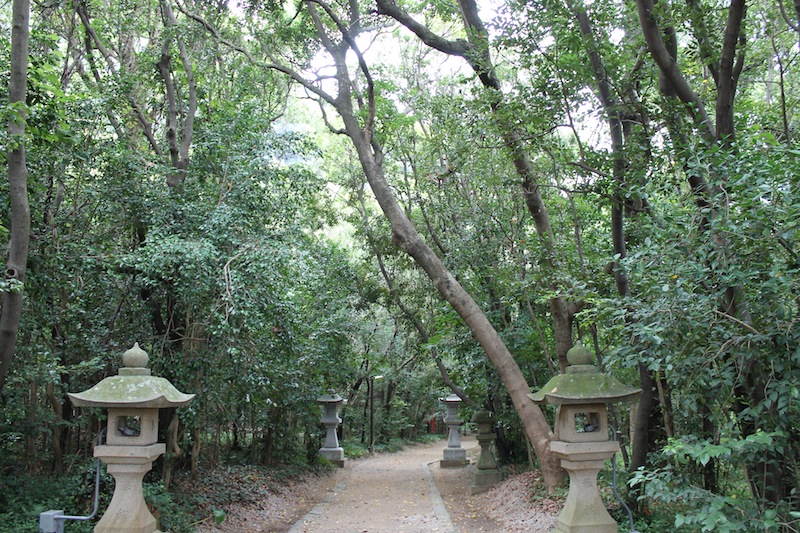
579, 355
134, 362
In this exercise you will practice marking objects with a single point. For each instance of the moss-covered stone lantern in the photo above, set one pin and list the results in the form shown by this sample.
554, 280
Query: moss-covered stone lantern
487, 474
133, 399
581, 438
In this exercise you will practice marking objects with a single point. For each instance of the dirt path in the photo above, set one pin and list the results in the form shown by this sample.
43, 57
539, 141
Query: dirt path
387, 493
404, 492
408, 492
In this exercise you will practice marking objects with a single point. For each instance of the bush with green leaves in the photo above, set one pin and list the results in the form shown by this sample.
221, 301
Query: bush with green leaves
696, 509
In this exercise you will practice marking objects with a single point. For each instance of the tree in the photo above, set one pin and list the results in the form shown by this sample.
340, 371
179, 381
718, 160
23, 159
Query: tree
14, 277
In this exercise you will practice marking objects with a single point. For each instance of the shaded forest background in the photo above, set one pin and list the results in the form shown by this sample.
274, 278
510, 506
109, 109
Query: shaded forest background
399, 200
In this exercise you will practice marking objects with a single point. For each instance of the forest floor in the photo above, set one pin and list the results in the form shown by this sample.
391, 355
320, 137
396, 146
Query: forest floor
402, 492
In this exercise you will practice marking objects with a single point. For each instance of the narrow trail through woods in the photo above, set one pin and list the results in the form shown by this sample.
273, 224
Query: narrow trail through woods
389, 492
403, 492
408, 492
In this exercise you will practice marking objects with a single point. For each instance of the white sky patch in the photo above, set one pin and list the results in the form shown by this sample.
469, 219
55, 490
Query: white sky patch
546, 42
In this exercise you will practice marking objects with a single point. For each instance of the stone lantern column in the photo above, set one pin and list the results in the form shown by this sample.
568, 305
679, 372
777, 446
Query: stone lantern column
487, 473
454, 455
133, 399
584, 509
330, 419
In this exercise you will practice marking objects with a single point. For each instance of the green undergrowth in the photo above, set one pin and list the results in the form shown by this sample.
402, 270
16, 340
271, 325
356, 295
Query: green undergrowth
356, 450
206, 498
180, 509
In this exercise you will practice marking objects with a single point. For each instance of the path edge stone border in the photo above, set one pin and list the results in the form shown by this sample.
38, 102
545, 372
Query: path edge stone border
319, 509
439, 508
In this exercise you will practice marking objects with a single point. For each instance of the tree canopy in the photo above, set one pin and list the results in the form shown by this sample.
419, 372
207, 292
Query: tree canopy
278, 199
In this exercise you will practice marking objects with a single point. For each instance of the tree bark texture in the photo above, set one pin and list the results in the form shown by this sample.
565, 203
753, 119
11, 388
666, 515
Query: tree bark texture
18, 189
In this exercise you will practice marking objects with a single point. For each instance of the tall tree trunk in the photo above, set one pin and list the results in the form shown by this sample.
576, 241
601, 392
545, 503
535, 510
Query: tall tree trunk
31, 411
18, 190
613, 109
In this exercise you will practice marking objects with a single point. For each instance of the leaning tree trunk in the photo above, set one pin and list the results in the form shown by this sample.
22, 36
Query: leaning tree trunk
18, 190
407, 238
476, 52
337, 35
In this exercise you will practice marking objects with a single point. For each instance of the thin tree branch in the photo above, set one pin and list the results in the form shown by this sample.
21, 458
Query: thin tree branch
147, 127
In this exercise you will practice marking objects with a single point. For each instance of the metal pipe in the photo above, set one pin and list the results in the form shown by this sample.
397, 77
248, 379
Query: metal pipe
614, 485
53, 521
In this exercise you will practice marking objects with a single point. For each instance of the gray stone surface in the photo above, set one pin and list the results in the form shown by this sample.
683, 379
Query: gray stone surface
584, 510
331, 450
454, 455
487, 473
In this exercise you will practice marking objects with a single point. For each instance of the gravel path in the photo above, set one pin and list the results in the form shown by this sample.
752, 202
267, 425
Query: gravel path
386, 493
404, 492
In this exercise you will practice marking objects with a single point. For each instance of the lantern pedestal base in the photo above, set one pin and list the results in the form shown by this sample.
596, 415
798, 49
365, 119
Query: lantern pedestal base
334, 455
485, 480
128, 512
487, 475
454, 458
584, 511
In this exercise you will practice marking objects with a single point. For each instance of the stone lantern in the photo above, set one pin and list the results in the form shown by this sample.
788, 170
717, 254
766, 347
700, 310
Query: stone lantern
581, 438
487, 473
331, 450
454, 455
133, 399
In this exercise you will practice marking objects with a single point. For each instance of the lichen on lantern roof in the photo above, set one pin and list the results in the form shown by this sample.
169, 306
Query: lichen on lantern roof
482, 416
584, 387
131, 391
331, 397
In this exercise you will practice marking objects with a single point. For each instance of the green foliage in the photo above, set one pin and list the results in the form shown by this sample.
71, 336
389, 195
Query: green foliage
22, 498
237, 287
173, 513
697, 509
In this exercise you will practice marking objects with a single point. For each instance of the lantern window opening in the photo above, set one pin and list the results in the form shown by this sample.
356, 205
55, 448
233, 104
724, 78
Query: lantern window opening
587, 422
129, 426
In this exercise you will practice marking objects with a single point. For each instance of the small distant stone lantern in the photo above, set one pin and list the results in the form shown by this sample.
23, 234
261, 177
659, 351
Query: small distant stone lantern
454, 455
133, 399
581, 438
331, 451
487, 474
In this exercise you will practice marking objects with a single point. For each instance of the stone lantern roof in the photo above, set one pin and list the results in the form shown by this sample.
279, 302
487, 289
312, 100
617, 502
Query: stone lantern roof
331, 397
583, 384
482, 416
133, 387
